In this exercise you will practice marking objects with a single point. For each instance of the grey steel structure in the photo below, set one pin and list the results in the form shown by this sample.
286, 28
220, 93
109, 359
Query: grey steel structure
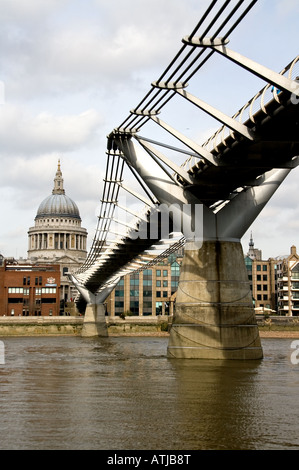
225, 182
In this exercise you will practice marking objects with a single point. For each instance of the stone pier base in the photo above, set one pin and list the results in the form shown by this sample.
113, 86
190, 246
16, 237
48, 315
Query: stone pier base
214, 317
94, 321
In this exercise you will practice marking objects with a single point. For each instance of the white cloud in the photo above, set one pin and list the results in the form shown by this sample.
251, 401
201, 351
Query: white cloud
23, 133
72, 70
29, 10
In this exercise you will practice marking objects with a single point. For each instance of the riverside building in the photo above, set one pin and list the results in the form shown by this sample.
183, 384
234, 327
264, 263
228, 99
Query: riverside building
288, 284
262, 275
27, 289
151, 291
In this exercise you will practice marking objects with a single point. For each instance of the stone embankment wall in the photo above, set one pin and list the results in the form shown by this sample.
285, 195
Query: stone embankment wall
35, 326
130, 326
68, 325
276, 323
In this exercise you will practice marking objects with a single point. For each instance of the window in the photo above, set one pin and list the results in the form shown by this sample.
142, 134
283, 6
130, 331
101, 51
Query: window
175, 269
265, 267
258, 277
49, 290
158, 283
15, 290
49, 301
147, 308
134, 293
119, 293
165, 294
259, 287
158, 272
158, 293
265, 297
134, 307
265, 277
158, 308
165, 283
165, 272
259, 297
248, 263
26, 291
258, 267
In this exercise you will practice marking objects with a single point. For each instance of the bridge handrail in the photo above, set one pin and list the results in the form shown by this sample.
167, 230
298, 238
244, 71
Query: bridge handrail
220, 136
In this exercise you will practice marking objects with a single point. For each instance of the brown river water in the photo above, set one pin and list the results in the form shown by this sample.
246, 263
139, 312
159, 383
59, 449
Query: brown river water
68, 393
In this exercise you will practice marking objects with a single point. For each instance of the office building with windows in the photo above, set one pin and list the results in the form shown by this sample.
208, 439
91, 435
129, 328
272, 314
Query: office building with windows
262, 275
151, 291
288, 284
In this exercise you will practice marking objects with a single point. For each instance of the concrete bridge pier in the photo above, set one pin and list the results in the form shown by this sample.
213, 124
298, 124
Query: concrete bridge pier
214, 317
94, 320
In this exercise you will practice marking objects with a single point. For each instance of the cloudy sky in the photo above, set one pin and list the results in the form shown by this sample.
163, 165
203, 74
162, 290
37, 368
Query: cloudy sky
71, 70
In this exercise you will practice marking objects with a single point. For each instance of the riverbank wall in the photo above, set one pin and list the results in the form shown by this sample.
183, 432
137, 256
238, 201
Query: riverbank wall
130, 326
70, 325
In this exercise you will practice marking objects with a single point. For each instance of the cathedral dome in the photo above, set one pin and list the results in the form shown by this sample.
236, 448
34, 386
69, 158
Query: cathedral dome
58, 204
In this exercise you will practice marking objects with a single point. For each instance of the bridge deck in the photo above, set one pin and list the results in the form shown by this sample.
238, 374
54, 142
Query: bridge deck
241, 161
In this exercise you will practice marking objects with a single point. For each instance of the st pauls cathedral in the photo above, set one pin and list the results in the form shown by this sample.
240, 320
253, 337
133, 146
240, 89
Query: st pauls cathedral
57, 236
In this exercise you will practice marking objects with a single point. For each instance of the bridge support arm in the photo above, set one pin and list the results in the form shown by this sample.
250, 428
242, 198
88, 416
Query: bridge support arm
215, 113
176, 202
237, 216
281, 82
276, 79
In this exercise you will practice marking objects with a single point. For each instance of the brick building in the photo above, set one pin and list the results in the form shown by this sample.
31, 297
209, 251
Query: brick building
29, 289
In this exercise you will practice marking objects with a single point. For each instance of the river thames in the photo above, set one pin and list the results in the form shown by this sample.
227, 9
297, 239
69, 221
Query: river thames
123, 393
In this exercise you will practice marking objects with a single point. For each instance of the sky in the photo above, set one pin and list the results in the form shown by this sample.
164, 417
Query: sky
70, 72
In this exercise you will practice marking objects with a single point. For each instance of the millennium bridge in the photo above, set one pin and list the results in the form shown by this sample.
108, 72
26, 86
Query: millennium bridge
205, 202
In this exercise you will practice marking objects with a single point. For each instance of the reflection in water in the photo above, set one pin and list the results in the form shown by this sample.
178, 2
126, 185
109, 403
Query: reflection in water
124, 393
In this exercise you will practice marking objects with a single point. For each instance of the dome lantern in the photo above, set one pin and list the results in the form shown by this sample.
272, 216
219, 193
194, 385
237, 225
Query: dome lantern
58, 181
58, 204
